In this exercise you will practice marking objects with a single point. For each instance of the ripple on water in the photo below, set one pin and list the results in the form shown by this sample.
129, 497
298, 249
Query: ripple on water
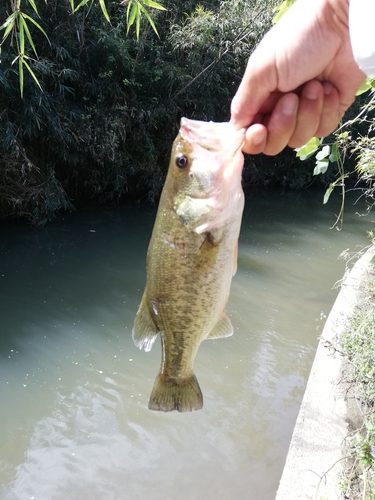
74, 389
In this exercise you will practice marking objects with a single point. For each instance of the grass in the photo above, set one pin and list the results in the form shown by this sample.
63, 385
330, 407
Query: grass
358, 347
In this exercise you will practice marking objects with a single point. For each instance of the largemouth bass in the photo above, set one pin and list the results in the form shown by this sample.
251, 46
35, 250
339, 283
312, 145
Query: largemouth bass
192, 257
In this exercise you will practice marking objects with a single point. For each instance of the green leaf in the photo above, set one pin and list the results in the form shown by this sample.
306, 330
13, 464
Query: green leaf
308, 149
327, 194
325, 151
20, 71
132, 15
154, 5
321, 166
370, 426
81, 4
104, 10
9, 23
32, 73
366, 85
149, 18
334, 156
21, 35
33, 5
26, 28
281, 9
138, 23
36, 24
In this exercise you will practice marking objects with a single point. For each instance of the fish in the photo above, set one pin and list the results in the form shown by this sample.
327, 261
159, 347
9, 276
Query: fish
192, 257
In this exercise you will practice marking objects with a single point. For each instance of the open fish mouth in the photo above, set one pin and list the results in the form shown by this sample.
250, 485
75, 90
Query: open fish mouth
211, 136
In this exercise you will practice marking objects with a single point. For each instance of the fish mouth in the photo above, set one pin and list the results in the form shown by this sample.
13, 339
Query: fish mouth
215, 137
202, 133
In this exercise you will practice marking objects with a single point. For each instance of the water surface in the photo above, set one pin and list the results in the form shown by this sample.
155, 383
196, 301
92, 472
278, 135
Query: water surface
74, 389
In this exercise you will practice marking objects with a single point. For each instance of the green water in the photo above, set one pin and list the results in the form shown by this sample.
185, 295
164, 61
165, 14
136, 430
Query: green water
74, 389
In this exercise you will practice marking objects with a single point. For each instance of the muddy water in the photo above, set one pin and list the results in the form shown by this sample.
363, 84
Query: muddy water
74, 389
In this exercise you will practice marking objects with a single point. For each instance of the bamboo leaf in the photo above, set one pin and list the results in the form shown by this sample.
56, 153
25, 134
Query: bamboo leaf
32, 73
36, 24
20, 71
149, 19
31, 42
9, 23
81, 4
33, 5
154, 5
133, 14
138, 23
21, 35
104, 10
130, 4
7, 31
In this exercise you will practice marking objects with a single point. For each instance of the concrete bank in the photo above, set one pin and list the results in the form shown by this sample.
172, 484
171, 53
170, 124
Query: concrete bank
313, 466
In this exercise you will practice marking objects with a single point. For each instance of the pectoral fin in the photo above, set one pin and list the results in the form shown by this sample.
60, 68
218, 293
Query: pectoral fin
144, 330
207, 254
222, 329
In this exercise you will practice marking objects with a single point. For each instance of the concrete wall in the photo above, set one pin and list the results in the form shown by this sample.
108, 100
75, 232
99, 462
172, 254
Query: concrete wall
313, 465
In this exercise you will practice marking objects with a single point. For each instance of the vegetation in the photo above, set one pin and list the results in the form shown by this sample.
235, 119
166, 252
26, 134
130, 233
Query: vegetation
353, 139
100, 122
358, 345
101, 102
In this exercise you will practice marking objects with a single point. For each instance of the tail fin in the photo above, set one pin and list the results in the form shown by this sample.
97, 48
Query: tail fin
175, 394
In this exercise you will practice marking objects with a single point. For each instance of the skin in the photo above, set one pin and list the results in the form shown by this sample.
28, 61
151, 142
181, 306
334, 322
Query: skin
300, 80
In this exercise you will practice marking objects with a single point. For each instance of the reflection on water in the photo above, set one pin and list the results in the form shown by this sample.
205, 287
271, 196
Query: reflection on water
74, 389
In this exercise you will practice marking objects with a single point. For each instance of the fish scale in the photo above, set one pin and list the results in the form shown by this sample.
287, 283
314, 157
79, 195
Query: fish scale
192, 257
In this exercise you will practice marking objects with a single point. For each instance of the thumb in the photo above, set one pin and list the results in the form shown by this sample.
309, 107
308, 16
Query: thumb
252, 95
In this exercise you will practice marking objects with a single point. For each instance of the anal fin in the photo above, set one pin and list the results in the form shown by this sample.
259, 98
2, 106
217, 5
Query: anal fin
144, 330
222, 329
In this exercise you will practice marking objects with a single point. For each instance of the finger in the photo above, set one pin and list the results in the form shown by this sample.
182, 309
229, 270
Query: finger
281, 124
331, 114
255, 139
309, 113
258, 82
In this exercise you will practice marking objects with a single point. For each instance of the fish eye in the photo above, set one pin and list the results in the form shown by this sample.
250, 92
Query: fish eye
182, 161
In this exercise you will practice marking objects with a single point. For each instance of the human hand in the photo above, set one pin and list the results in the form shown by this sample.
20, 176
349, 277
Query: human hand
300, 80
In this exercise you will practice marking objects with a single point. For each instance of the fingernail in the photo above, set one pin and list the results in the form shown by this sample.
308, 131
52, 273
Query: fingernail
311, 92
289, 105
328, 87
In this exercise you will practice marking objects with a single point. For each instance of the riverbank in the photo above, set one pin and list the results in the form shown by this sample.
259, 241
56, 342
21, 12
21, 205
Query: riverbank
314, 464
